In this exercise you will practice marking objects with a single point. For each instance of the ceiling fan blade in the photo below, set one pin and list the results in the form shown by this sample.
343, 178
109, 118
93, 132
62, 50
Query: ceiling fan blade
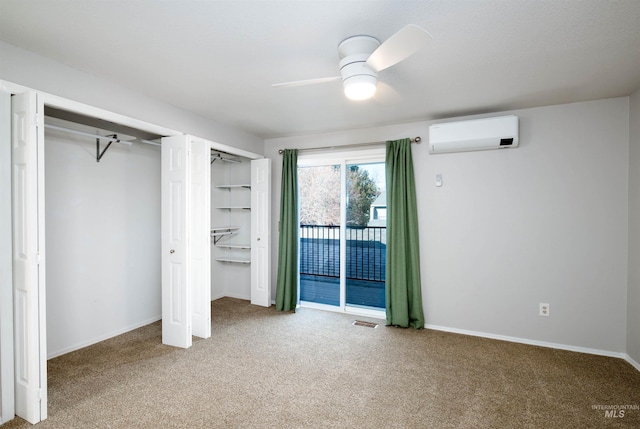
396, 48
385, 94
306, 82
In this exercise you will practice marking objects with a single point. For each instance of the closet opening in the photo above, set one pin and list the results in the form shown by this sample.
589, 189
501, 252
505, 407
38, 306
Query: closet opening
102, 223
230, 226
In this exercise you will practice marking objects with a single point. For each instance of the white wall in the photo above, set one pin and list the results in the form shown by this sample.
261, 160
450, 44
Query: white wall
546, 222
42, 74
633, 294
102, 240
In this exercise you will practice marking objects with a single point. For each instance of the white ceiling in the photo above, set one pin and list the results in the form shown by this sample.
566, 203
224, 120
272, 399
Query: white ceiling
219, 58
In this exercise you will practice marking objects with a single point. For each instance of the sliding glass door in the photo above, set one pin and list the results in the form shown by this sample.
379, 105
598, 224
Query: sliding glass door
343, 232
319, 211
366, 238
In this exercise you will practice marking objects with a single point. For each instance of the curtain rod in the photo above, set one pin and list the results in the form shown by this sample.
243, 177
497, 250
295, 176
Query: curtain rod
415, 140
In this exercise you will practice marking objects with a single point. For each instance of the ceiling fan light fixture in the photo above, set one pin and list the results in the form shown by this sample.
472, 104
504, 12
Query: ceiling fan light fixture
360, 87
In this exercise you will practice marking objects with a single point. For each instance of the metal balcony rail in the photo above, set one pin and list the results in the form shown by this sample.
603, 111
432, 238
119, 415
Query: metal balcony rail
365, 252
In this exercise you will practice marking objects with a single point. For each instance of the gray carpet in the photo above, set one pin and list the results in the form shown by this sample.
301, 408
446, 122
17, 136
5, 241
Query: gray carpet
314, 369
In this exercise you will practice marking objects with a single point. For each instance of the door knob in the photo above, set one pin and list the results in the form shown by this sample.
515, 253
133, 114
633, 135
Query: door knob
172, 251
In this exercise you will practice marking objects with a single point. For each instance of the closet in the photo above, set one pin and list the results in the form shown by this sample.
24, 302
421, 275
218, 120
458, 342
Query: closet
86, 234
96, 250
215, 216
230, 226
240, 234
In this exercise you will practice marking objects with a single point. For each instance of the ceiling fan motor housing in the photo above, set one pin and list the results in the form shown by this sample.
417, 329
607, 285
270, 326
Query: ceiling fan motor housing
356, 75
358, 45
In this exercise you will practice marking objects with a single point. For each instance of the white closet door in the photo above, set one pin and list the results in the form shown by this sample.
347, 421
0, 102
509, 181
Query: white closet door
261, 232
175, 220
200, 237
28, 258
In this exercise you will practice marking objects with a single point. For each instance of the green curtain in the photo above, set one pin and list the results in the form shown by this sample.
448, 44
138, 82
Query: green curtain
287, 283
403, 289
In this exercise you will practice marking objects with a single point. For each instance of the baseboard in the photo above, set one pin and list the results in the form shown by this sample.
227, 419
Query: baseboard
534, 342
238, 296
587, 350
633, 363
102, 337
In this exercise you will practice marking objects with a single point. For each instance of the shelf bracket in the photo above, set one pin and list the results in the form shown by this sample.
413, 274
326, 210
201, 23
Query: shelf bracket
217, 238
218, 235
100, 154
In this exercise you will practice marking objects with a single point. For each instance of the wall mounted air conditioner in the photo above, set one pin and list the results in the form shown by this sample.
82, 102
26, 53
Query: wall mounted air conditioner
477, 134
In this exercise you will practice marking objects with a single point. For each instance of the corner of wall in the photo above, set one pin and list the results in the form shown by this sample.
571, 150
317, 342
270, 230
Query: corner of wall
633, 278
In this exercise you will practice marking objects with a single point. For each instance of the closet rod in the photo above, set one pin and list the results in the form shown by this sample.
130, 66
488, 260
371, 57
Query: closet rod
221, 158
82, 133
416, 140
108, 138
149, 142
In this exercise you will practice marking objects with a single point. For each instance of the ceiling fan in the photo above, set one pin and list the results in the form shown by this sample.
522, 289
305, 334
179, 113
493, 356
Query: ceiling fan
362, 57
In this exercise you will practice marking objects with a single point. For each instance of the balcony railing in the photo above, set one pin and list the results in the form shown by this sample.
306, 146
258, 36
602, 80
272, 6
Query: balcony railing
365, 252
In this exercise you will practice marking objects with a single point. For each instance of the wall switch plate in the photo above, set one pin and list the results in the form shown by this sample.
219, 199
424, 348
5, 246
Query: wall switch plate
544, 310
438, 180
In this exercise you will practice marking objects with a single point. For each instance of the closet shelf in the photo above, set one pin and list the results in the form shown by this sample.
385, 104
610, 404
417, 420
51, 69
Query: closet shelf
245, 186
235, 246
234, 260
223, 230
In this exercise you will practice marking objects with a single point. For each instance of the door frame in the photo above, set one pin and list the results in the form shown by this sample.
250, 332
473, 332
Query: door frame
342, 158
7, 405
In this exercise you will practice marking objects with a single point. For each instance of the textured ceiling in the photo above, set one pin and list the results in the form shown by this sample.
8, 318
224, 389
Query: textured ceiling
219, 58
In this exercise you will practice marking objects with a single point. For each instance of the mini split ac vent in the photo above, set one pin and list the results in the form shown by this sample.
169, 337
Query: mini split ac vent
477, 134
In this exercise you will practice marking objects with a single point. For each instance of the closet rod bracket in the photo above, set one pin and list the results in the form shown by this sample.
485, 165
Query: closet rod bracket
100, 154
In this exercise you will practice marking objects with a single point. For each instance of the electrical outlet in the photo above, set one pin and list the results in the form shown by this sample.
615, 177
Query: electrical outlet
544, 309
